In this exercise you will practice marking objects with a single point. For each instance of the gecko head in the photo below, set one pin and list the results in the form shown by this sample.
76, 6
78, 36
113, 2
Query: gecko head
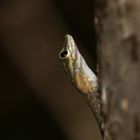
69, 49
68, 55
76, 68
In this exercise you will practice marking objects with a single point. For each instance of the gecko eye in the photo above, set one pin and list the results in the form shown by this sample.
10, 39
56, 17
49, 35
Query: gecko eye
64, 54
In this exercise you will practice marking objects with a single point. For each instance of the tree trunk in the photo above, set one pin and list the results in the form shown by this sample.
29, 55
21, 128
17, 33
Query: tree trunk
117, 23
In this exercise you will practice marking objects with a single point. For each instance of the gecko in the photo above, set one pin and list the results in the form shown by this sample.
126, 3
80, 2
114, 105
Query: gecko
82, 77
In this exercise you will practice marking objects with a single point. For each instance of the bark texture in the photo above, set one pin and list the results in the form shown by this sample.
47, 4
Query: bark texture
117, 23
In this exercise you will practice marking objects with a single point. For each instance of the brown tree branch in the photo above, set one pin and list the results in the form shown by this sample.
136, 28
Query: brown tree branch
118, 37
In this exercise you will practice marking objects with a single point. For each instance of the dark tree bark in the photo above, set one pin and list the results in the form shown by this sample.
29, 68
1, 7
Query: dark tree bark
117, 23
